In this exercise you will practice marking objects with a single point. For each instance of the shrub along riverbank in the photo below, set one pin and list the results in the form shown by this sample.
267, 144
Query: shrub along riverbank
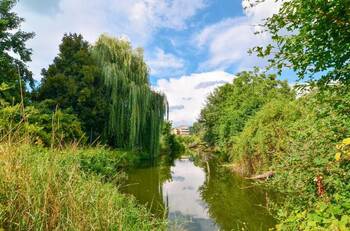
258, 125
69, 189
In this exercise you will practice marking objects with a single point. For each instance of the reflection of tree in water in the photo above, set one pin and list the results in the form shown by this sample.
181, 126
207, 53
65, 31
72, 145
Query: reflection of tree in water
164, 166
146, 185
234, 203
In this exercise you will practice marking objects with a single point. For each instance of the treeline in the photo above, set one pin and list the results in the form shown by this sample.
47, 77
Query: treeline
299, 131
260, 124
65, 143
92, 94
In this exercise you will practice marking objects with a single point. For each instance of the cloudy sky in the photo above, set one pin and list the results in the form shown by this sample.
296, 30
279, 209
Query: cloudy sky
191, 46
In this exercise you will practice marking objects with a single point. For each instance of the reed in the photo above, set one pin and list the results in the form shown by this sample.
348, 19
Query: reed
45, 189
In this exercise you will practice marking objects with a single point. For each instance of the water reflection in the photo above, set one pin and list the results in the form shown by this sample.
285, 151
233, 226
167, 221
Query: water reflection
197, 201
183, 198
236, 204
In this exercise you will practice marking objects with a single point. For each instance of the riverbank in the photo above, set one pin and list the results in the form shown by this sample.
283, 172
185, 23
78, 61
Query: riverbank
262, 127
315, 192
70, 189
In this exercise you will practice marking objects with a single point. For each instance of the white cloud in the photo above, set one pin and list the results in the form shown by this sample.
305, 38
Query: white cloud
165, 63
187, 94
229, 40
173, 14
136, 19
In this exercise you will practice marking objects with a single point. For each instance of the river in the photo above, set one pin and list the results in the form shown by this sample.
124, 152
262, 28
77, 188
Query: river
193, 198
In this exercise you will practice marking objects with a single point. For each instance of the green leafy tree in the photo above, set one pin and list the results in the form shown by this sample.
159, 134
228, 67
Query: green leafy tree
230, 106
13, 53
169, 143
310, 37
265, 136
73, 81
107, 87
136, 112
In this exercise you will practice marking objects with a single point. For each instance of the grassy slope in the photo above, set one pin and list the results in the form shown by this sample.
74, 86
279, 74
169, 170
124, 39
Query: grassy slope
42, 189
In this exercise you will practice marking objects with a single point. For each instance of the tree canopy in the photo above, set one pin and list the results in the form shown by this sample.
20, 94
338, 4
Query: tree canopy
259, 125
136, 112
106, 85
310, 37
73, 81
13, 53
231, 105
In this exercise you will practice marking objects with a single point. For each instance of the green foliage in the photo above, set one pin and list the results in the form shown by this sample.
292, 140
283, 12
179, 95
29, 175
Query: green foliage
107, 163
310, 37
73, 82
46, 190
297, 140
170, 143
272, 130
107, 87
12, 41
40, 125
188, 142
231, 106
296, 127
135, 111
332, 211
57, 127
265, 136
5, 94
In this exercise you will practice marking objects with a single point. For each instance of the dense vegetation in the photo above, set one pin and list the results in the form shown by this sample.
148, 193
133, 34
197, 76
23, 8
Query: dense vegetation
72, 82
230, 106
102, 89
100, 94
260, 124
106, 86
96, 95
135, 112
295, 137
170, 143
43, 189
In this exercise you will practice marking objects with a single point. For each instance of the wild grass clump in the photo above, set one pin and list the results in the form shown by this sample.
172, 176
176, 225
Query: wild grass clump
42, 189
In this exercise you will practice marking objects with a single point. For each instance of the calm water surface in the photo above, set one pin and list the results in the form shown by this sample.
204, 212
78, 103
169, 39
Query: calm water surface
194, 199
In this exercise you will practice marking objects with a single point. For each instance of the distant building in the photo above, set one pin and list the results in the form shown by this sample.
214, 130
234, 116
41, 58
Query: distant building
181, 131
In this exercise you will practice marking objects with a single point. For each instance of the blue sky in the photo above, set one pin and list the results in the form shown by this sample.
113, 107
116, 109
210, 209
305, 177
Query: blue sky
191, 46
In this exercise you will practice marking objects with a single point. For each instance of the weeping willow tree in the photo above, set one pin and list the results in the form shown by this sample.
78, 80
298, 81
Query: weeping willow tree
136, 112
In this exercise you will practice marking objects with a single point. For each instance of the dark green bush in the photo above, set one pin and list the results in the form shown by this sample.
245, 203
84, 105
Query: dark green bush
170, 144
108, 164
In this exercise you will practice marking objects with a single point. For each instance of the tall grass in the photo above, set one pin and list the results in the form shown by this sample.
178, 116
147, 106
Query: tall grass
43, 189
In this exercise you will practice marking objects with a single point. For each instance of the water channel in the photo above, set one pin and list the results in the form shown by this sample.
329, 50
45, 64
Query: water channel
195, 198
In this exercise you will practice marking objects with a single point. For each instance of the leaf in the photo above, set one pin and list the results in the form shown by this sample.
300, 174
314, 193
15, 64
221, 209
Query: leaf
337, 156
346, 141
